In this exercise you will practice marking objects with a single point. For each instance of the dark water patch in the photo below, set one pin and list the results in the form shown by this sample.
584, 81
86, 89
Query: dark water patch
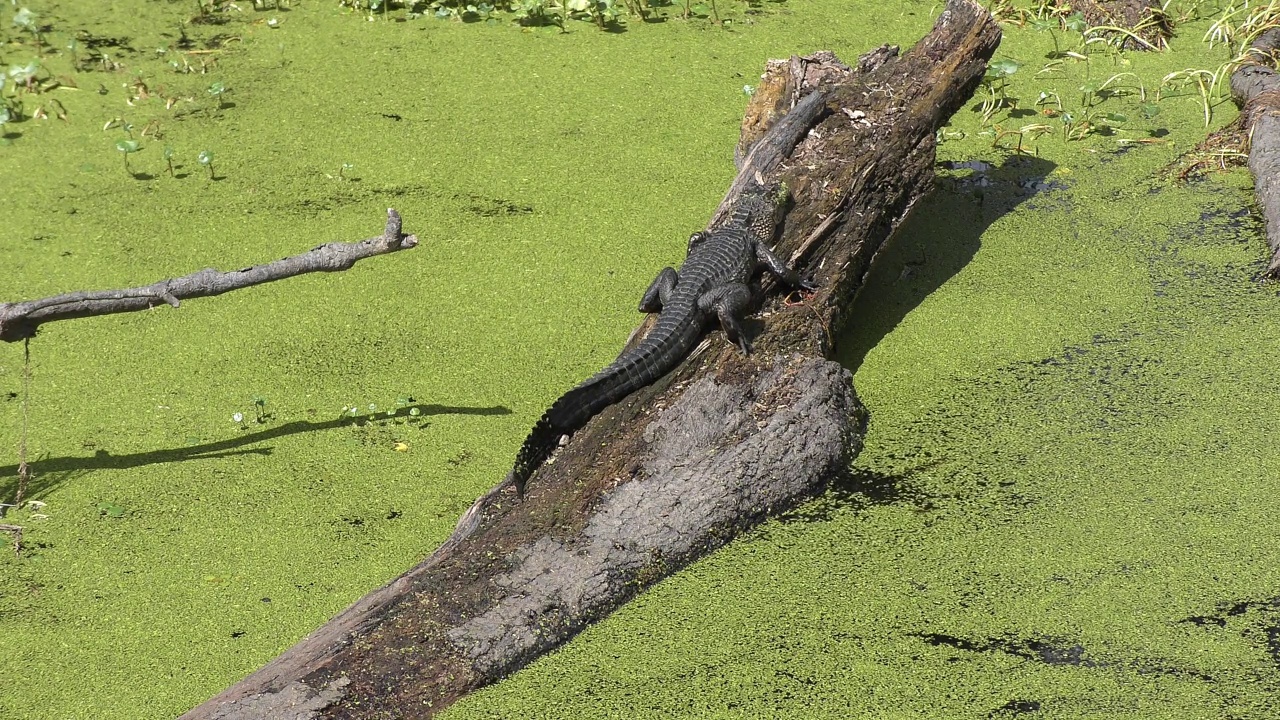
1057, 652
89, 41
494, 207
341, 193
1013, 708
321, 199
1097, 390
1185, 260
1049, 652
1258, 621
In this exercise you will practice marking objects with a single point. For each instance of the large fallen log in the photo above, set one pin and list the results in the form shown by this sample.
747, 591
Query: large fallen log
682, 466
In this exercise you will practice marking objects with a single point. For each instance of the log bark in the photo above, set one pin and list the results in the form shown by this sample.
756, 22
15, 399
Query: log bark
681, 467
1255, 87
21, 320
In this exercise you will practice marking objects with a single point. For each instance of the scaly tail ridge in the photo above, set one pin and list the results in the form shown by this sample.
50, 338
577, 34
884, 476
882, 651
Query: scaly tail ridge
566, 415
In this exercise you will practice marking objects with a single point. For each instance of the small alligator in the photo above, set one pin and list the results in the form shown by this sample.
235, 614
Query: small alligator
711, 281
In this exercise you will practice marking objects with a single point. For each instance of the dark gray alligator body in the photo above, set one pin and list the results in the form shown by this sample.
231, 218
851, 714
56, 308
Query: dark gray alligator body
712, 282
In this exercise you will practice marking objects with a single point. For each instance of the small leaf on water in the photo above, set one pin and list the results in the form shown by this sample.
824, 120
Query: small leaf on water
1003, 68
24, 18
110, 510
1149, 110
402, 447
127, 146
1116, 118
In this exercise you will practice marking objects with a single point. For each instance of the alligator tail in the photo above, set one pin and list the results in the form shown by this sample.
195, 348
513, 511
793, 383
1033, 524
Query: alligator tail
566, 415
537, 448
657, 354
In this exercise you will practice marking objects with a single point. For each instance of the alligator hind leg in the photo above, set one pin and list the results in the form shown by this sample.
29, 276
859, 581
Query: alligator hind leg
729, 301
659, 290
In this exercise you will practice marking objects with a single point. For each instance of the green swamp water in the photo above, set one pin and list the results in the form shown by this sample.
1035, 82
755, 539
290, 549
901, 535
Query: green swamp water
1064, 507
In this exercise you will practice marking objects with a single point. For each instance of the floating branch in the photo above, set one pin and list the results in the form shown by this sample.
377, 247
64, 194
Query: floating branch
21, 320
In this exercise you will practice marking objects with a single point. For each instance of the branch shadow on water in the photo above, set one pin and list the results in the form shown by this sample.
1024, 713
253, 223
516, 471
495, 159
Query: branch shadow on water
48, 473
939, 237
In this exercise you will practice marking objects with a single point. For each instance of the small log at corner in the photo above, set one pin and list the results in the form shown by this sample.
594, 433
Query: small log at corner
681, 467
1255, 87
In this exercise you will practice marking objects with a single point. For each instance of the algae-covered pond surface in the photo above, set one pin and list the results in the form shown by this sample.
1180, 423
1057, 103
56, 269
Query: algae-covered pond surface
1065, 506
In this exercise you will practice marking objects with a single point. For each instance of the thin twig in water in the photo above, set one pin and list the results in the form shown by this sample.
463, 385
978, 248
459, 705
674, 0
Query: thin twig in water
24, 472
16, 531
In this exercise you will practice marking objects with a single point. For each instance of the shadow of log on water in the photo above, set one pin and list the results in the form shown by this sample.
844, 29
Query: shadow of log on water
935, 242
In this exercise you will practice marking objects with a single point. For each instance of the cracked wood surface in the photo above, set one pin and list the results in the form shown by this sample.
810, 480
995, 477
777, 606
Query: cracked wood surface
682, 466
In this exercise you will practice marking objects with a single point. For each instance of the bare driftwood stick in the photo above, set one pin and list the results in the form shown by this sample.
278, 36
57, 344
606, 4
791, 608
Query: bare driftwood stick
1255, 87
682, 466
21, 320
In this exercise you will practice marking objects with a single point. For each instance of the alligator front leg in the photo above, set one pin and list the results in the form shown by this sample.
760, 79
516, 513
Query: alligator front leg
659, 290
729, 302
775, 265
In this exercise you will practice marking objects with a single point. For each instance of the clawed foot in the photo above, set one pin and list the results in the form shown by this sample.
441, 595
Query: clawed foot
805, 288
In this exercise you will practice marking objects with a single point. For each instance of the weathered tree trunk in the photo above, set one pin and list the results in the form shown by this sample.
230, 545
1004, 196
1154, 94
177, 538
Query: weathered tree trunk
1255, 87
680, 467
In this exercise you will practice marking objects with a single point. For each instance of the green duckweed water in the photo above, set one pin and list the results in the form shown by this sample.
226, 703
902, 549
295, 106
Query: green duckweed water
1064, 507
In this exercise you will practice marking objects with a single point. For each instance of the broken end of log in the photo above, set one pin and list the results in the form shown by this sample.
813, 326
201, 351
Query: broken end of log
16, 329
